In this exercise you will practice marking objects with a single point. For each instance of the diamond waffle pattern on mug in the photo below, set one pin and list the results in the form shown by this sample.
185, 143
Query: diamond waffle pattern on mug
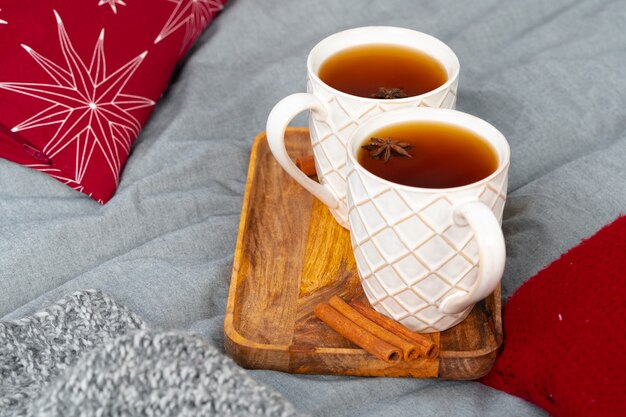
329, 137
409, 253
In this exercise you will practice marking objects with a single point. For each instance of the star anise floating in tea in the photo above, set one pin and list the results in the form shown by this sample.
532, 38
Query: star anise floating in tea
389, 93
386, 148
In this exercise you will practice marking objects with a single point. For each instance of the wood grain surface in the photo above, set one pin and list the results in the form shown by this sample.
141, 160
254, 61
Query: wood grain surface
292, 255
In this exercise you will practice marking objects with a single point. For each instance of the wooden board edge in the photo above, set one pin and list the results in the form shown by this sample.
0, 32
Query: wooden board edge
497, 324
467, 369
368, 373
498, 316
472, 365
233, 340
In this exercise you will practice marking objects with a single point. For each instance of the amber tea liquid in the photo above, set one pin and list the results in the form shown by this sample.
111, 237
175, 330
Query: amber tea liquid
363, 70
443, 156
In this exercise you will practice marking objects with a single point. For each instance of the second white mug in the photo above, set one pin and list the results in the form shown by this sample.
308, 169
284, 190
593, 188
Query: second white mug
425, 256
335, 115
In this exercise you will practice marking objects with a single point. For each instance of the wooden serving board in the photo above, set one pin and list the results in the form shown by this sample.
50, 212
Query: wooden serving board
292, 255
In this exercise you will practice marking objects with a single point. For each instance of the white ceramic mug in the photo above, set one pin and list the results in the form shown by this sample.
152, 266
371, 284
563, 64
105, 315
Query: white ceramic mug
335, 114
426, 256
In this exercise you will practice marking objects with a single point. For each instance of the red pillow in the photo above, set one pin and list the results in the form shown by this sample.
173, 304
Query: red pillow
80, 79
565, 332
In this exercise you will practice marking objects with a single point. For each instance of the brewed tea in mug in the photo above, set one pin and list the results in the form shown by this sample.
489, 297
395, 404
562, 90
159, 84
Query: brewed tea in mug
383, 71
436, 155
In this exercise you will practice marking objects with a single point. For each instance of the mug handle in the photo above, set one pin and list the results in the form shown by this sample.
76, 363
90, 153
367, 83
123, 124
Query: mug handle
491, 250
280, 116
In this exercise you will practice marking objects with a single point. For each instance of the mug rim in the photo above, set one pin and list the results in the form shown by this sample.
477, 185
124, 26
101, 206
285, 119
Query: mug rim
451, 79
451, 116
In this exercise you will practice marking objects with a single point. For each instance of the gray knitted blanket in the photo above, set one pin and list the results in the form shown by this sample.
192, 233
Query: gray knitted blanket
88, 355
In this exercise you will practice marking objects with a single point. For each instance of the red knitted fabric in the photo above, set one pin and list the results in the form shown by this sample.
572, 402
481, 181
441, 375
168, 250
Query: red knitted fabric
79, 79
565, 332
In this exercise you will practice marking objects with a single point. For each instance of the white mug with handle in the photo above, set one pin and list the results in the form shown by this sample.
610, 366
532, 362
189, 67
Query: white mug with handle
335, 114
427, 255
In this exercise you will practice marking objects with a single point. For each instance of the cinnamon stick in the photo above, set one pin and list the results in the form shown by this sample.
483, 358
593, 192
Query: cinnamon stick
409, 349
356, 334
306, 165
427, 347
